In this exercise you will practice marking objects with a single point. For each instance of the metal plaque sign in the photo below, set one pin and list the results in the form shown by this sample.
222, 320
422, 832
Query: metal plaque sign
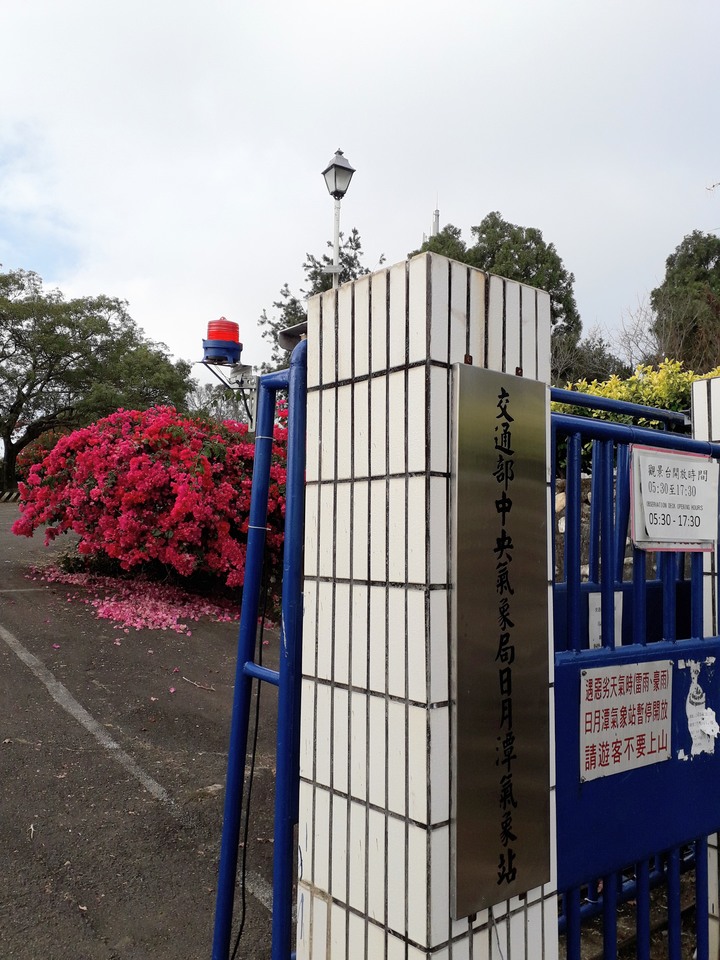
500, 652
625, 716
674, 500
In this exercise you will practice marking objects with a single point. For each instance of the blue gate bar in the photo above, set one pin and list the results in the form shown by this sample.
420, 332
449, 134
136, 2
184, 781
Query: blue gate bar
642, 910
288, 700
622, 508
595, 515
696, 596
288, 722
640, 596
237, 750
673, 905
610, 900
607, 546
702, 931
571, 901
668, 575
667, 418
572, 541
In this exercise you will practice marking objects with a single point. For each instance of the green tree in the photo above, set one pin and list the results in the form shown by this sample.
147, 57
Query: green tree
686, 305
64, 363
289, 309
517, 253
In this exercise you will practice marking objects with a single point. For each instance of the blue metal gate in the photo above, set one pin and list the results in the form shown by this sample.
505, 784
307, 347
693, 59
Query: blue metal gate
620, 835
249, 670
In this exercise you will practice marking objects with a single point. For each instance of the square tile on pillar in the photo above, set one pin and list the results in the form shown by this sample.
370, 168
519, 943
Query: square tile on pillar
360, 550
359, 599
513, 355
358, 749
417, 622
417, 747
417, 532
397, 326
310, 560
307, 728
378, 530
323, 732
477, 319
362, 327
328, 434
343, 530
378, 426
417, 402
439, 787
343, 638
439, 422
377, 680
458, 331
339, 854
397, 426
378, 739
396, 872
323, 666
438, 645
345, 332
328, 337
417, 884
345, 425
326, 532
359, 425
319, 930
397, 543
320, 869
396, 646
378, 321
338, 932
312, 457
376, 865
305, 832
397, 756
356, 856
341, 745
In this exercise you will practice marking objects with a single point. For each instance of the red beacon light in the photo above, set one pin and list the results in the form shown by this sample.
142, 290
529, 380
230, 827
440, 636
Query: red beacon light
222, 346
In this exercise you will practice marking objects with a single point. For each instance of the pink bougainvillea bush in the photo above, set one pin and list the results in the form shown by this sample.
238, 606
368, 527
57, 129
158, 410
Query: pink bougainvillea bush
153, 487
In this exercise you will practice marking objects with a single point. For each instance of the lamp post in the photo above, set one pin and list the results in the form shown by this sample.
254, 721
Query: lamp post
338, 175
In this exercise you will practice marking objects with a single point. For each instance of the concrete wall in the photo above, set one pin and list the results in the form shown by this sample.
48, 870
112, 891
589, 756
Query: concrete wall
374, 831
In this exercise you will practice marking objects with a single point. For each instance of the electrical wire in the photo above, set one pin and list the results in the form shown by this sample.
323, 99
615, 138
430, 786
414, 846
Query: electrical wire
251, 775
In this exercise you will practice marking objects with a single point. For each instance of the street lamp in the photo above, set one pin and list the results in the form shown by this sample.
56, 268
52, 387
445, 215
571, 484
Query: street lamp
338, 175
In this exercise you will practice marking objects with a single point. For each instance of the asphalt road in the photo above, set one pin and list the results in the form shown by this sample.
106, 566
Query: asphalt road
113, 787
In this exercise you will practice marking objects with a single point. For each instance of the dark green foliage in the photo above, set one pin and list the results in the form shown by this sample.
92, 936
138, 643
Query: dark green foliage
517, 253
65, 363
686, 305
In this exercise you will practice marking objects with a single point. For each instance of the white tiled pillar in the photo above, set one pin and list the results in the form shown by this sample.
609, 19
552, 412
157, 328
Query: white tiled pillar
706, 426
374, 827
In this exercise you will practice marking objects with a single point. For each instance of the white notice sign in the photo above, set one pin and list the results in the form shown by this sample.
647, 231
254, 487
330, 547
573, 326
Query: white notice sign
595, 637
625, 714
675, 500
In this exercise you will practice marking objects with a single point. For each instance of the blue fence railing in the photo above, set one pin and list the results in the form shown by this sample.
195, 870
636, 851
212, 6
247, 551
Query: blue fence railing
662, 616
287, 678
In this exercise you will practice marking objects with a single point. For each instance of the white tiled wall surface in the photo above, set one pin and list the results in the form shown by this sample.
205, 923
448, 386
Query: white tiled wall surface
706, 426
374, 857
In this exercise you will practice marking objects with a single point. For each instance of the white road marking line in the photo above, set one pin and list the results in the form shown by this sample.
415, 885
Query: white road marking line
255, 884
25, 590
260, 889
62, 696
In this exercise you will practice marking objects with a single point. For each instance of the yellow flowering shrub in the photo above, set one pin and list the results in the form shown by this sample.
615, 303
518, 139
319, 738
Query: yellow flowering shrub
666, 387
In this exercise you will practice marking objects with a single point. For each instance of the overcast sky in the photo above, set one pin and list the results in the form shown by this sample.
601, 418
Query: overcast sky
168, 152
